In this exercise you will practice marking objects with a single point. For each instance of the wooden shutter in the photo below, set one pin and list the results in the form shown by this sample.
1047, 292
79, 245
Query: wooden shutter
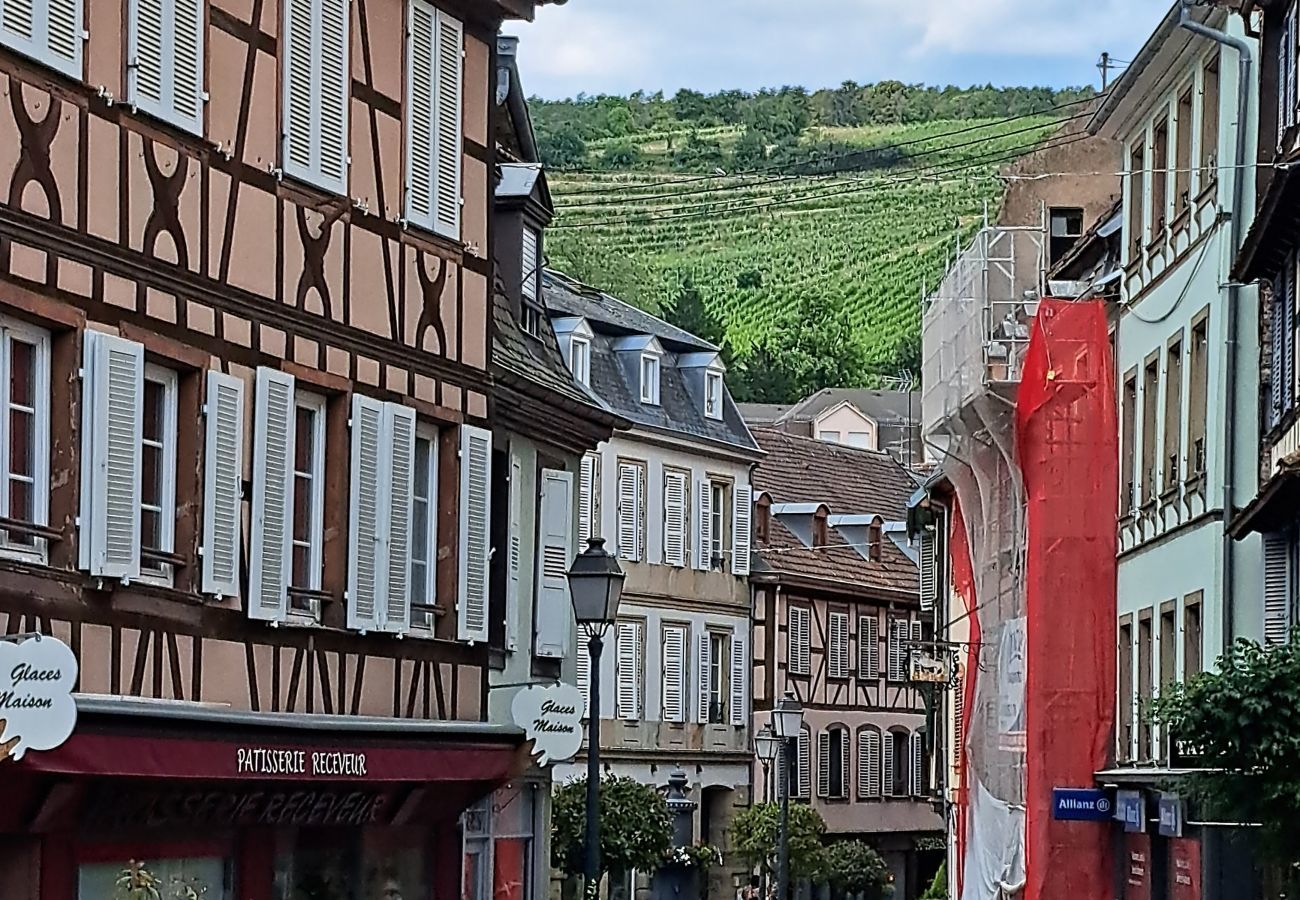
929, 581
555, 552
824, 764
584, 679
50, 31
742, 512
704, 649
475, 512
629, 671
112, 398
868, 647
887, 768
272, 518
631, 491
739, 678
674, 668
1277, 588
364, 510
869, 763
675, 519
223, 473
838, 651
165, 60
799, 641
845, 767
588, 499
515, 537
918, 764
399, 434
317, 91
421, 98
804, 763
447, 149
528, 263
897, 658
704, 525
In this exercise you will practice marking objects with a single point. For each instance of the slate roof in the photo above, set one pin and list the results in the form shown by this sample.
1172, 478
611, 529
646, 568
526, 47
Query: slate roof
848, 481
680, 409
763, 413
885, 407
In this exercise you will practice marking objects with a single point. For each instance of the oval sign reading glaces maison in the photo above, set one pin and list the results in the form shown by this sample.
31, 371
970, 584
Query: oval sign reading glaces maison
551, 717
37, 711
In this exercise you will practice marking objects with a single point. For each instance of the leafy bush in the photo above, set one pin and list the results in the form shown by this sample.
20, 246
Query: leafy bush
755, 833
855, 867
938, 889
621, 155
635, 826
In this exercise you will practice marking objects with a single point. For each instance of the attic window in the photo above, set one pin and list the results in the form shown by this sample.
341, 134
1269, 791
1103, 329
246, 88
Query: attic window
874, 539
530, 273
762, 517
650, 378
580, 359
713, 394
820, 533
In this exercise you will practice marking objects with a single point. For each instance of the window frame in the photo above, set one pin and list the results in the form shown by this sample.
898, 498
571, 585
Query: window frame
39, 339
713, 394
426, 623
720, 514
162, 573
651, 380
318, 405
717, 676
580, 362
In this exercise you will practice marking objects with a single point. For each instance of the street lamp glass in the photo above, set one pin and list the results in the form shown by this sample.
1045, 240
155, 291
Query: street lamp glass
787, 718
766, 744
596, 585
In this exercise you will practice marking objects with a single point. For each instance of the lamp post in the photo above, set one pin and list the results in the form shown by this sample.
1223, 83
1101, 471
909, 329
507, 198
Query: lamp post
787, 721
596, 585
766, 746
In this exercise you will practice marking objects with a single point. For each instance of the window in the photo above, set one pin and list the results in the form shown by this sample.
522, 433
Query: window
898, 768
869, 786
837, 649
424, 528
833, 763
1144, 687
1066, 229
719, 653
1168, 645
308, 502
868, 647
676, 638
317, 91
830, 437
720, 510
875, 542
1210, 123
1125, 684
164, 73
433, 119
1279, 585
589, 499
1191, 635
1183, 165
48, 31
861, 440
530, 275
803, 765
1136, 202
1286, 76
713, 394
158, 474
24, 435
821, 536
920, 773
630, 669
1199, 372
580, 359
900, 635
1128, 497
514, 848
1160, 179
676, 516
1173, 412
476, 828
631, 510
1150, 391
650, 379
799, 641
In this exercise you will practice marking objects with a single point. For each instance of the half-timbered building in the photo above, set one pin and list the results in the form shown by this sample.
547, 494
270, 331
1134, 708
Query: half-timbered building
836, 619
245, 334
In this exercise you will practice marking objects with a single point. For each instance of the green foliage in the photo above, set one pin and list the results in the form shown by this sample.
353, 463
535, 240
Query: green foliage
755, 831
1240, 721
622, 155
635, 826
854, 867
698, 154
938, 889
561, 149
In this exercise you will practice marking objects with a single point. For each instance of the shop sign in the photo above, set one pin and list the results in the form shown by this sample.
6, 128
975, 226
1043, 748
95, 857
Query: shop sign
1184, 869
37, 711
1081, 805
551, 717
1171, 815
308, 763
113, 808
1130, 808
1011, 686
927, 668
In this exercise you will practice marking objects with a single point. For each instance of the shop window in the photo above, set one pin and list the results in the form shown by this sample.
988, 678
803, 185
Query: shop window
340, 864
476, 826
514, 869
208, 877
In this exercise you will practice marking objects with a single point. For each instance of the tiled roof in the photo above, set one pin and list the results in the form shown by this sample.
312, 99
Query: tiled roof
839, 562
805, 470
885, 407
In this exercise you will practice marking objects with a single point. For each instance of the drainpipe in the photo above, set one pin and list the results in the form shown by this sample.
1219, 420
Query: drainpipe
1238, 218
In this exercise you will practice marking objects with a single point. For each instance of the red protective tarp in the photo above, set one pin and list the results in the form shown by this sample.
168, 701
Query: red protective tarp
1066, 440
963, 583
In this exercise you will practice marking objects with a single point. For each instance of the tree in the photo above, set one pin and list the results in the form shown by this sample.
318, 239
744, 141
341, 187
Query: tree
635, 826
938, 889
756, 830
855, 867
1240, 723
686, 309
562, 149
622, 154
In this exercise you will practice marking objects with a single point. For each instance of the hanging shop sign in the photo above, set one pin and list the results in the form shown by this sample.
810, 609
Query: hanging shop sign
929, 669
37, 711
1171, 815
1130, 809
551, 717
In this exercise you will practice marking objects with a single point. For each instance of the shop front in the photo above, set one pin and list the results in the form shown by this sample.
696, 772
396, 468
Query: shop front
149, 801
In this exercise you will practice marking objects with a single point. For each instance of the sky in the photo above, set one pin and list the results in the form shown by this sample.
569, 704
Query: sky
619, 46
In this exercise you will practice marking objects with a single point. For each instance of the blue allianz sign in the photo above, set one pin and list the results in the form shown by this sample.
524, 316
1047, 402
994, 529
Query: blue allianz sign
1081, 805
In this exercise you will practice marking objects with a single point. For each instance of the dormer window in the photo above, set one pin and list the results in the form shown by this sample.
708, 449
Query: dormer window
650, 379
580, 359
713, 394
875, 541
530, 272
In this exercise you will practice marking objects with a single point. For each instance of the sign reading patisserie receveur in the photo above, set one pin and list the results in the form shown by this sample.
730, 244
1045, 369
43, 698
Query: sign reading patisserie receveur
551, 716
37, 711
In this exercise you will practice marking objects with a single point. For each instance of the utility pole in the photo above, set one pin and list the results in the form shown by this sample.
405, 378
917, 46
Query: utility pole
1105, 66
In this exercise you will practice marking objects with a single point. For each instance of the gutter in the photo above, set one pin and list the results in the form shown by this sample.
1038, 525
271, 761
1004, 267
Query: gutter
1188, 23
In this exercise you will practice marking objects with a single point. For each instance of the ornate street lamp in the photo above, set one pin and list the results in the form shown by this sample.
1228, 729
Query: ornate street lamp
596, 586
766, 746
787, 722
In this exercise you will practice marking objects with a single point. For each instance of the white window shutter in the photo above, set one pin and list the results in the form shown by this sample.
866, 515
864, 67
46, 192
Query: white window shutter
629, 671
845, 767
804, 764
869, 763
824, 764
868, 647
421, 99
584, 679
112, 409
147, 58
46, 30
918, 763
742, 511
447, 150
629, 511
838, 649
703, 650
897, 657
365, 509
887, 752
475, 536
516, 538
317, 91
223, 472
798, 641
335, 92
675, 484
165, 65
915, 650
298, 60
674, 667
555, 554
929, 575
805, 641
588, 489
399, 433
528, 263
704, 525
272, 518
1277, 588
739, 678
